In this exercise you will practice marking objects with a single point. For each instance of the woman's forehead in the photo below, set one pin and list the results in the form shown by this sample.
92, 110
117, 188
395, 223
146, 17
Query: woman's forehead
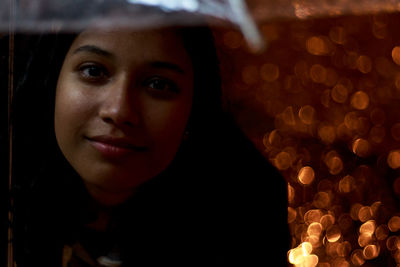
124, 39
155, 44
126, 34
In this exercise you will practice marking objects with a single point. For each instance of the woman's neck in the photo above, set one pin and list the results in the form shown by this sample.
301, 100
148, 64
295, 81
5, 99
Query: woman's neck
107, 198
102, 220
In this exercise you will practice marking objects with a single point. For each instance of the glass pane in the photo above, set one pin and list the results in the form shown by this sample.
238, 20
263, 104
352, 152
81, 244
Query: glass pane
124, 155
198, 132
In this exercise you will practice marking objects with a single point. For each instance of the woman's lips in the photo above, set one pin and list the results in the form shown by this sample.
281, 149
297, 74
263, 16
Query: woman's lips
110, 146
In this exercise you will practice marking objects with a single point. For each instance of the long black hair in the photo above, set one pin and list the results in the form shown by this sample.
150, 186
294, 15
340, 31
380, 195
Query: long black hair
208, 207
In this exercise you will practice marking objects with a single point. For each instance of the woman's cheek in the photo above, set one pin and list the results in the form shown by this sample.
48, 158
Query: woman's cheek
72, 111
170, 122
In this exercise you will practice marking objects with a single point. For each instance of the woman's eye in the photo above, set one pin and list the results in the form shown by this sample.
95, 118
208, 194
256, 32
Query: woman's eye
93, 72
162, 85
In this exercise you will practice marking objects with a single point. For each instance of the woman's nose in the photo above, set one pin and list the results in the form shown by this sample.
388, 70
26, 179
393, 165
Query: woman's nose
119, 106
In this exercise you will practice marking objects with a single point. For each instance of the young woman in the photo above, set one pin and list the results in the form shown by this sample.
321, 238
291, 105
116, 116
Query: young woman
124, 157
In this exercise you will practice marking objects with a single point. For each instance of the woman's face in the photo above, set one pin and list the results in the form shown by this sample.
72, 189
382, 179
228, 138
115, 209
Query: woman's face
123, 101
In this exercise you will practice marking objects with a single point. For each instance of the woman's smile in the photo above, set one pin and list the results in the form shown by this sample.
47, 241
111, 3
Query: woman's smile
115, 147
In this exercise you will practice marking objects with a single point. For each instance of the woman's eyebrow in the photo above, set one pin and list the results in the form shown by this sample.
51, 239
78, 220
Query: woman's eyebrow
167, 65
156, 64
93, 49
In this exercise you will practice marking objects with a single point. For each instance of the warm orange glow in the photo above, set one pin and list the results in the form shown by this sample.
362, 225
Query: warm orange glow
363, 125
318, 73
394, 224
340, 262
344, 249
269, 72
364, 239
312, 216
300, 229
397, 243
333, 233
396, 55
371, 252
318, 45
377, 116
327, 220
331, 248
393, 159
306, 175
322, 200
339, 93
364, 214
347, 184
345, 221
354, 211
331, 77
333, 162
306, 248
233, 39
382, 232
292, 213
396, 186
379, 31
343, 132
250, 74
306, 114
314, 230
391, 243
314, 240
377, 134
357, 257
283, 160
368, 227
292, 84
351, 120
291, 193
301, 255
364, 64
350, 59
326, 98
295, 256
325, 185
338, 35
301, 70
395, 131
361, 147
397, 82
383, 66
327, 134
375, 208
288, 116
270, 31
359, 100
274, 138
396, 256
310, 261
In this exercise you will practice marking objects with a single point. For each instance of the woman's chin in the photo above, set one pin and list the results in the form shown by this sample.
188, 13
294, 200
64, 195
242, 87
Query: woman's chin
109, 196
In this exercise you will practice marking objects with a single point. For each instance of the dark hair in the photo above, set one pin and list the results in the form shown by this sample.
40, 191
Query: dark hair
209, 205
